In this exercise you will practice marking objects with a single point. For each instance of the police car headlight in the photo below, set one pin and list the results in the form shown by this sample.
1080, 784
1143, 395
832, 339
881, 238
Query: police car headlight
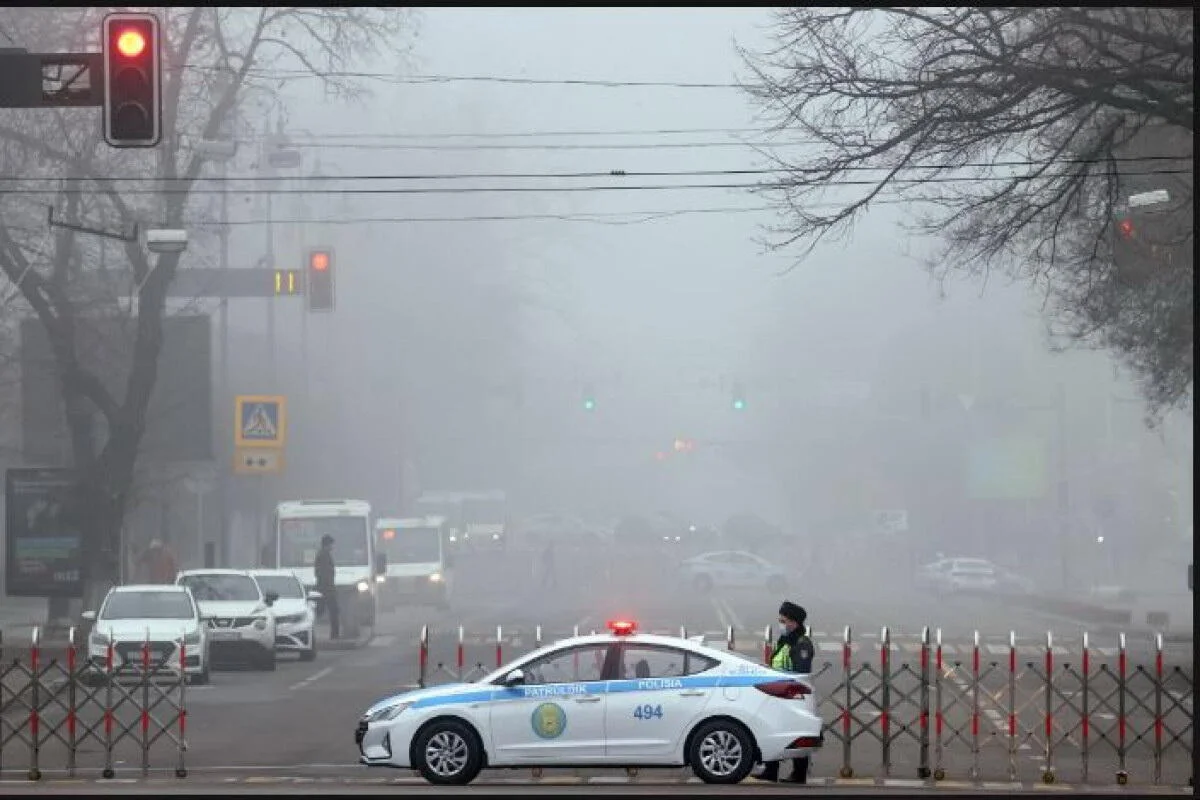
363, 586
435, 577
260, 623
386, 713
381, 578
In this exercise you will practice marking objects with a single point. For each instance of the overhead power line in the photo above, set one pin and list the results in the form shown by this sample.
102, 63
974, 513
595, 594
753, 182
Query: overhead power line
615, 173
384, 77
612, 187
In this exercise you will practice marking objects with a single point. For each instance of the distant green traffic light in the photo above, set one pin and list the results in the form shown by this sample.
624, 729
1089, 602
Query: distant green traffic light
739, 404
589, 404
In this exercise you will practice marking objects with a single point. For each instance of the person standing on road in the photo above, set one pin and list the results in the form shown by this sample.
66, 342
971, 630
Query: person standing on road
794, 652
323, 567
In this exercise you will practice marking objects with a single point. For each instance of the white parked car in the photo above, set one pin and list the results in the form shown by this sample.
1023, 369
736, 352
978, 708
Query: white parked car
241, 624
619, 699
295, 615
166, 617
953, 575
731, 569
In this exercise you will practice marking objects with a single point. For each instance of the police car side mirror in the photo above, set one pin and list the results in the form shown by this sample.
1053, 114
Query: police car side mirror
514, 678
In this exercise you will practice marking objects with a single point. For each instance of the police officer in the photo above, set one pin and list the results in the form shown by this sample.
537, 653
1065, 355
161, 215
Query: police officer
323, 566
793, 652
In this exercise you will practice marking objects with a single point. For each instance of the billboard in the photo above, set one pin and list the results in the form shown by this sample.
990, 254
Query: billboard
179, 422
43, 539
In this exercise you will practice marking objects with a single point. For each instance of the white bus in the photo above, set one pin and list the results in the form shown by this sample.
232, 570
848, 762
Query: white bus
418, 568
299, 527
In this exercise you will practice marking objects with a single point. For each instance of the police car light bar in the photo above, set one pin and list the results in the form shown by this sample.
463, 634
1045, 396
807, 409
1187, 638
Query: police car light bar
622, 627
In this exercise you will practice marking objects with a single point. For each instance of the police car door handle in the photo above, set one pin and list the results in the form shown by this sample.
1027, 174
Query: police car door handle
693, 693
590, 698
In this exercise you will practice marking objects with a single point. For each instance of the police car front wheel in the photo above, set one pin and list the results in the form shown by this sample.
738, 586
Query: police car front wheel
448, 752
721, 752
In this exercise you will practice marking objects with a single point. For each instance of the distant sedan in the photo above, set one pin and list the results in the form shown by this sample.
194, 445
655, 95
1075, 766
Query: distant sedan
731, 569
620, 699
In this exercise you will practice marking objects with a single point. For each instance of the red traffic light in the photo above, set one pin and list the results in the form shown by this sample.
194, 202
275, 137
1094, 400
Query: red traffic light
320, 261
1126, 228
131, 43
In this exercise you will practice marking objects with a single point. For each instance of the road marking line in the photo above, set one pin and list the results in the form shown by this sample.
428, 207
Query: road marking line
716, 604
316, 676
733, 617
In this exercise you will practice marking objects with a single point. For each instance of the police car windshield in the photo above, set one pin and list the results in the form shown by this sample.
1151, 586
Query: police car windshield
287, 587
218, 587
148, 605
300, 539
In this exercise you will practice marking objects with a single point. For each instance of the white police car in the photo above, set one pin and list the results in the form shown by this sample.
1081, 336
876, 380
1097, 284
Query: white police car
621, 699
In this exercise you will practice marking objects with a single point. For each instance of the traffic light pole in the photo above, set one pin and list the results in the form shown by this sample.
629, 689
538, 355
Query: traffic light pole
226, 395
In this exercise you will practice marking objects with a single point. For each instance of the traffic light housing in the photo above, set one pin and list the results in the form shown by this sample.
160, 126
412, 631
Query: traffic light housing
132, 55
320, 287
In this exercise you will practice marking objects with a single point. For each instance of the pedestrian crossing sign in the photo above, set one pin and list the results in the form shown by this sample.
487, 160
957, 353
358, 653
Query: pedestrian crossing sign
261, 421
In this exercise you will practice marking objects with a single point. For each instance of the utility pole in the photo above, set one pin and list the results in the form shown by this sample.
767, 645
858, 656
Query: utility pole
223, 463
1064, 489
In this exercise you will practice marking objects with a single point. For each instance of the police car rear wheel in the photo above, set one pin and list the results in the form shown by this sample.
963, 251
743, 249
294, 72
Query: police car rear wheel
449, 753
721, 752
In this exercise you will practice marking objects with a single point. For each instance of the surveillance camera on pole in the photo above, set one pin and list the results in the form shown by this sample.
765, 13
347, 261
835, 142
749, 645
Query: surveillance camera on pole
166, 240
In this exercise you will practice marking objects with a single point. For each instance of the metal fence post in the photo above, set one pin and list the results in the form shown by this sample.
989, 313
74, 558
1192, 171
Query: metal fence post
975, 709
939, 771
180, 765
1048, 769
729, 643
923, 770
72, 745
35, 772
499, 647
683, 631
1158, 710
537, 637
1122, 772
145, 715
1084, 707
885, 700
1012, 706
459, 663
108, 708
768, 649
423, 656
847, 770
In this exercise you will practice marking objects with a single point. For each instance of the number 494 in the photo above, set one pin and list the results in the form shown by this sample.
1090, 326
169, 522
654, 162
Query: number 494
648, 712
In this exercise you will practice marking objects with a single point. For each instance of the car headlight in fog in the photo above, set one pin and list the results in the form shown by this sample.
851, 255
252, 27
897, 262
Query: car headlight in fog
495, 536
363, 586
381, 578
435, 577
454, 538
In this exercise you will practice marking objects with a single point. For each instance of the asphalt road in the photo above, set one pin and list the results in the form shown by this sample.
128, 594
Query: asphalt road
254, 730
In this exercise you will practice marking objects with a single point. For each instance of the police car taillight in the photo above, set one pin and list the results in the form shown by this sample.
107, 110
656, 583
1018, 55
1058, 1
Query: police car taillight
786, 690
622, 627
